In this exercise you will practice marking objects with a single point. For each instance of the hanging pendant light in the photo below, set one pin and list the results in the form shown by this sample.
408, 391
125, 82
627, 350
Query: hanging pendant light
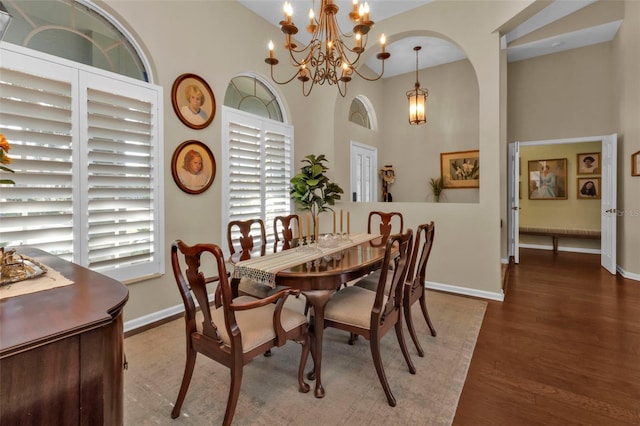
417, 99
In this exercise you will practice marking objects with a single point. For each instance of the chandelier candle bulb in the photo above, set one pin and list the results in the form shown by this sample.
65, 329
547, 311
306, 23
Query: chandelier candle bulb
288, 12
271, 49
365, 17
383, 41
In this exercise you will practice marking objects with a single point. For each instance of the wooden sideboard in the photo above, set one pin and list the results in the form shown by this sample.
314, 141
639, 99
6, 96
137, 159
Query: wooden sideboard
61, 350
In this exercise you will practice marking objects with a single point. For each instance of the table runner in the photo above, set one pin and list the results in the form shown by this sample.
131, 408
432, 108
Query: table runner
263, 269
51, 279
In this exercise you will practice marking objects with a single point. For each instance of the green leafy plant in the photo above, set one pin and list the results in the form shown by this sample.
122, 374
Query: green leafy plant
436, 188
311, 190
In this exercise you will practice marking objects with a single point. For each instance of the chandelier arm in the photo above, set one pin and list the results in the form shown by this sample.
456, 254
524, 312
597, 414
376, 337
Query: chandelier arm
282, 82
378, 77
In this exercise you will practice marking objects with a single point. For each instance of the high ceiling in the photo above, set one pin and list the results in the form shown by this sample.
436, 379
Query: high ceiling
554, 28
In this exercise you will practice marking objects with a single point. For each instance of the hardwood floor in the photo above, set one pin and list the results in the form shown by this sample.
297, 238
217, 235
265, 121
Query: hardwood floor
562, 349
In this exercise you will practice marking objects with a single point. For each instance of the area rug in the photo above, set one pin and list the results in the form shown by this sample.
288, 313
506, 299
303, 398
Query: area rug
269, 394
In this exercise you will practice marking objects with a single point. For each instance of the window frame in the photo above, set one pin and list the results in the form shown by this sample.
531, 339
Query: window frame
26, 60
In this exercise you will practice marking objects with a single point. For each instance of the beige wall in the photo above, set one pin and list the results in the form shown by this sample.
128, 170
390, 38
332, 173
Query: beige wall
589, 91
467, 252
626, 88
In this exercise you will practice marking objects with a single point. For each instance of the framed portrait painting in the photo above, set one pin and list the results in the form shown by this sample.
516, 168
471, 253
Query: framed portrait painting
193, 101
588, 188
193, 167
635, 164
460, 169
548, 179
589, 163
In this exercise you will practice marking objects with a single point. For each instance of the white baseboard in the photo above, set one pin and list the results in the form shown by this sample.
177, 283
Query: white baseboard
628, 275
560, 248
152, 317
465, 291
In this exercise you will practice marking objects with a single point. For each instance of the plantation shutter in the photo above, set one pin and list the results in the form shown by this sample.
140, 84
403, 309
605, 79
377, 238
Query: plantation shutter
87, 154
256, 168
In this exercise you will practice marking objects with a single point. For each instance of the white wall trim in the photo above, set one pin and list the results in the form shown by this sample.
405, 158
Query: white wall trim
466, 291
158, 316
560, 248
628, 275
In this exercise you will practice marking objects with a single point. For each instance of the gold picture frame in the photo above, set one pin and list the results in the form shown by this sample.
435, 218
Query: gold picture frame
460, 169
635, 164
548, 179
193, 167
193, 101
588, 188
588, 163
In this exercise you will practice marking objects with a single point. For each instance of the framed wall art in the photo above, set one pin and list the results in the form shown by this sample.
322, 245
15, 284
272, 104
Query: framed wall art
193, 167
589, 163
193, 101
588, 188
635, 164
548, 179
460, 169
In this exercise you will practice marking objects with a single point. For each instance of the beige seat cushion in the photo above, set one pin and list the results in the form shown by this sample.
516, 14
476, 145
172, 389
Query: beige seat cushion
351, 305
256, 325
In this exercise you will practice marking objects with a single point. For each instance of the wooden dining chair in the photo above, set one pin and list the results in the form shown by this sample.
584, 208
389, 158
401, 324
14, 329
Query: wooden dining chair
244, 244
416, 276
283, 228
236, 332
372, 314
414, 284
384, 223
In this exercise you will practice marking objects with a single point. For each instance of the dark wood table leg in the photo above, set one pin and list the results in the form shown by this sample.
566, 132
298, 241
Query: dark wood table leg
318, 299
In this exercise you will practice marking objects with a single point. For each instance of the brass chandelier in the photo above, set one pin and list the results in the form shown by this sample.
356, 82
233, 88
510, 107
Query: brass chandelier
327, 58
417, 98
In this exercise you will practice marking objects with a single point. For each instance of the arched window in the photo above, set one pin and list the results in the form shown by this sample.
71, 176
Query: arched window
77, 30
257, 147
86, 143
361, 113
251, 95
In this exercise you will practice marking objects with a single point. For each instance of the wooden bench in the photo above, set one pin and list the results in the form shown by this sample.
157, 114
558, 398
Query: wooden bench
556, 233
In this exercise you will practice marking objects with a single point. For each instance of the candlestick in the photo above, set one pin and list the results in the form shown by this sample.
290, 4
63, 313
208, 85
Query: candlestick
317, 228
334, 222
341, 229
308, 226
299, 231
349, 223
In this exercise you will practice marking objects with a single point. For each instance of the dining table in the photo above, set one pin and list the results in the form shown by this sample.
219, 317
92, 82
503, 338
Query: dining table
318, 271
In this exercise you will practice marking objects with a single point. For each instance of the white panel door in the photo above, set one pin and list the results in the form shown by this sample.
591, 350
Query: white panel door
364, 163
608, 203
514, 200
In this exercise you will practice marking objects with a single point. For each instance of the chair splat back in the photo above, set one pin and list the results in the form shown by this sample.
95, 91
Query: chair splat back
245, 242
385, 222
283, 227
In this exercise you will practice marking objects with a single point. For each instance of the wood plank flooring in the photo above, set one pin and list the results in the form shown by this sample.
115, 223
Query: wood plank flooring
562, 349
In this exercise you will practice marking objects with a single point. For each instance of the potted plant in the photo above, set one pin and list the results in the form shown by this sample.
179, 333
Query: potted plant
436, 188
311, 190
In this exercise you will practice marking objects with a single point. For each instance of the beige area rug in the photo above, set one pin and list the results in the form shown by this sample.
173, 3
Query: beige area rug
269, 393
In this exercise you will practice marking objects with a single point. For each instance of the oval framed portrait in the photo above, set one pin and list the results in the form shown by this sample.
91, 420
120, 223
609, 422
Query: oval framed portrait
193, 167
193, 101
